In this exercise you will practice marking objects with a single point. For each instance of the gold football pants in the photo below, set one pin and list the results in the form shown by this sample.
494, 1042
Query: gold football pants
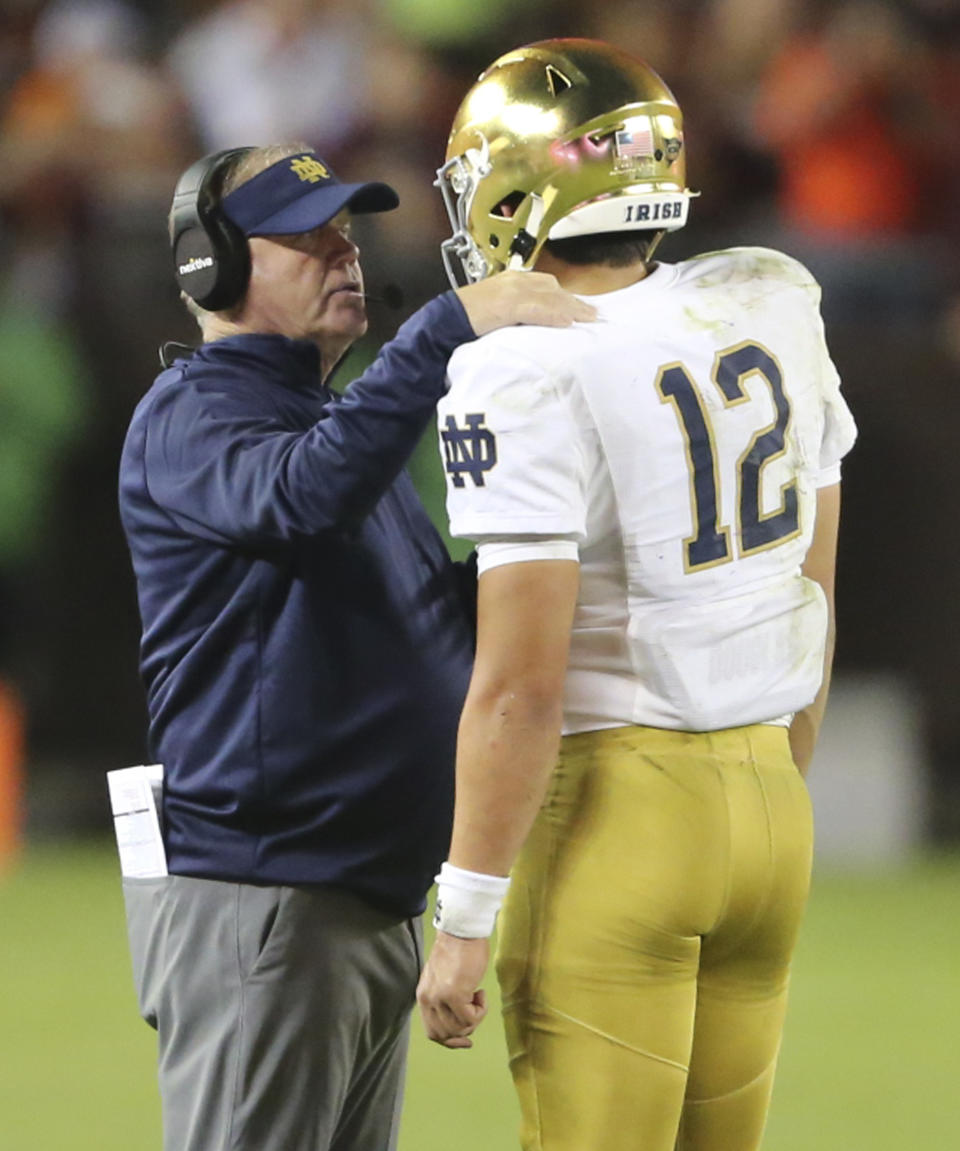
645, 944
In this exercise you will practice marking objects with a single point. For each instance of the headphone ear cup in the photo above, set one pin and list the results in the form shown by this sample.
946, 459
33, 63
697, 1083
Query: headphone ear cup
212, 263
211, 255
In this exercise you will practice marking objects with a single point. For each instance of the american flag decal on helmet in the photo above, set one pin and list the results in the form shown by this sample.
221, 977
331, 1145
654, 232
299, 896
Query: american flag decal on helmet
635, 142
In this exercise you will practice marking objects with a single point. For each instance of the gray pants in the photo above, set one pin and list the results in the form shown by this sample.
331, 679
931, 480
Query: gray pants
282, 1013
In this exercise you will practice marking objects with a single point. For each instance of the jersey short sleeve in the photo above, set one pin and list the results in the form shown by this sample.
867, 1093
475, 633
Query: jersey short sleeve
839, 427
510, 447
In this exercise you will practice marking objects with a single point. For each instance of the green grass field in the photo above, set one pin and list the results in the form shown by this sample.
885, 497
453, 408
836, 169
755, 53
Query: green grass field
871, 1059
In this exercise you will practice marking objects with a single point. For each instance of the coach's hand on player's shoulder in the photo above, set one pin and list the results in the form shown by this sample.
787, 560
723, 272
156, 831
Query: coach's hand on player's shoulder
452, 1003
521, 298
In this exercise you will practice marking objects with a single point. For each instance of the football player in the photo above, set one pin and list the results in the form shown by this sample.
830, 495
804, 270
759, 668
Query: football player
655, 497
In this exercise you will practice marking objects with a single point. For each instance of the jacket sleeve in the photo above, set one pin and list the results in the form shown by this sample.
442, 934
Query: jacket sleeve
227, 470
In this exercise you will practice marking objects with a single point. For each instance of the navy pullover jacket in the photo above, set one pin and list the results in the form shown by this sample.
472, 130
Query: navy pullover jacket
305, 650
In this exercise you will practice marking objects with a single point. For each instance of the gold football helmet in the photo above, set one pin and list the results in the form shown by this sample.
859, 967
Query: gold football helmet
556, 139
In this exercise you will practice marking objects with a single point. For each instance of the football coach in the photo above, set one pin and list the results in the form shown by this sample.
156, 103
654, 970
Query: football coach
305, 654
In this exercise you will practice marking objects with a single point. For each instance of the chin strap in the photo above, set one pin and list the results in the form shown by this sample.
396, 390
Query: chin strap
526, 239
652, 246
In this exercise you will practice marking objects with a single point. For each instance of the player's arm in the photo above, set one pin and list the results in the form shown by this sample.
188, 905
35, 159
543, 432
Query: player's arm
507, 747
819, 565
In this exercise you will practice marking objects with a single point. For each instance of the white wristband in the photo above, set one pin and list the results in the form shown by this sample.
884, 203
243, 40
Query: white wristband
468, 902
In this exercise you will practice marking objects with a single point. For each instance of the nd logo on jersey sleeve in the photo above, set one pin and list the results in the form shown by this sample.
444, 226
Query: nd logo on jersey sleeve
509, 446
468, 450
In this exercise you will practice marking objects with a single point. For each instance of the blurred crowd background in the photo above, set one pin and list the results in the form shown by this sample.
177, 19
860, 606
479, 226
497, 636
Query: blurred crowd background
828, 129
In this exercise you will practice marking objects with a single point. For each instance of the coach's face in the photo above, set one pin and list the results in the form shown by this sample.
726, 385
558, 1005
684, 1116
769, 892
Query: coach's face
308, 287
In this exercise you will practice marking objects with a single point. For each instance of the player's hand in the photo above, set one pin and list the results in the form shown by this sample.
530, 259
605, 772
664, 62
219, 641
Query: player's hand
521, 298
452, 1003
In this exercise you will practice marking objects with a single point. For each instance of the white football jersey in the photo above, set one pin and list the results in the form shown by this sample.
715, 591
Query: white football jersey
675, 446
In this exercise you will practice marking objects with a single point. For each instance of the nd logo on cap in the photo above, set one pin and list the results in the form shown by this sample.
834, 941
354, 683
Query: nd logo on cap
309, 169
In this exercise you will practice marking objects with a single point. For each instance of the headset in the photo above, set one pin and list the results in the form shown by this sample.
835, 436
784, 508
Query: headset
211, 255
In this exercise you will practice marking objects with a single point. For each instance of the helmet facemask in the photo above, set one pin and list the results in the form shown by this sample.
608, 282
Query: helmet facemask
457, 181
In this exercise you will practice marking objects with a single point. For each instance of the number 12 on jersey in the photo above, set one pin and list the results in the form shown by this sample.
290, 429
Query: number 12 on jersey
710, 543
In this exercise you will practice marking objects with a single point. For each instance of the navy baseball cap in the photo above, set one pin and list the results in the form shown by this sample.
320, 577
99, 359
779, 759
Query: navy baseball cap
298, 194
